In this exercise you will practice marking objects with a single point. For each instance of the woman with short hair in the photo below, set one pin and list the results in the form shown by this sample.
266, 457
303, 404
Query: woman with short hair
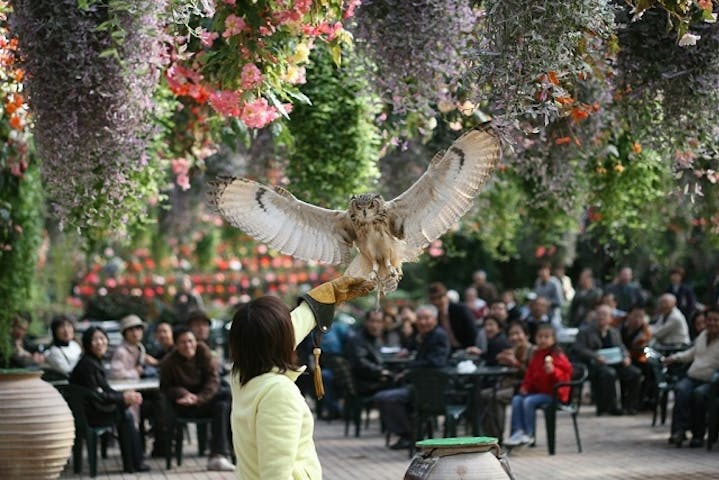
272, 425
64, 352
109, 406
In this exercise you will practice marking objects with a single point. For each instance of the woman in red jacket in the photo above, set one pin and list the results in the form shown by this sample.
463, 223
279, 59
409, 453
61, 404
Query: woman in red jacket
547, 367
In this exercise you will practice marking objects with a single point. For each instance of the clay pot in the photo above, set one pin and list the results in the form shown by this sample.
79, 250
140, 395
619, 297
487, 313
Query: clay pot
468, 458
36, 427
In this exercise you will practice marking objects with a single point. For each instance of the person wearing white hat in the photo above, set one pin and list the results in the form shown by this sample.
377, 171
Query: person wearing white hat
130, 358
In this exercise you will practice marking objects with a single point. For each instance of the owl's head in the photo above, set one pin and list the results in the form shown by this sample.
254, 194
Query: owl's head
366, 208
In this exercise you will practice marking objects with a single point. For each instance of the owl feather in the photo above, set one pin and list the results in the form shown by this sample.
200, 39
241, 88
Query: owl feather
386, 234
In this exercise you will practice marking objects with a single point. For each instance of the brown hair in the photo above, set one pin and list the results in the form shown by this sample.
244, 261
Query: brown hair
262, 337
435, 289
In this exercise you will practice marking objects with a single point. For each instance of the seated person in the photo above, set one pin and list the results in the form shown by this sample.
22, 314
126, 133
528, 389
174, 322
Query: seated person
476, 305
130, 361
538, 314
408, 332
698, 324
496, 340
585, 298
669, 328
363, 353
617, 315
201, 325
548, 366
454, 318
164, 341
590, 340
64, 352
112, 407
21, 356
189, 379
516, 356
433, 352
635, 334
391, 337
691, 391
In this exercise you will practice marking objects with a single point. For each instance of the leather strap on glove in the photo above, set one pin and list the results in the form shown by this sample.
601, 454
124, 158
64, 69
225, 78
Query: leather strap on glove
322, 301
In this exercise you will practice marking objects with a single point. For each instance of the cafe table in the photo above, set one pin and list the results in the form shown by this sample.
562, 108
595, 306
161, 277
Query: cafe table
476, 378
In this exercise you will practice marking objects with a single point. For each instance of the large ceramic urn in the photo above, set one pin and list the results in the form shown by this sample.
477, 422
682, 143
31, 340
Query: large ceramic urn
465, 458
36, 427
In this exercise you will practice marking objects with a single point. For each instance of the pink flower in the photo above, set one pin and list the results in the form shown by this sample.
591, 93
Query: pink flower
258, 113
207, 38
183, 181
234, 25
351, 6
229, 2
251, 76
226, 102
286, 16
303, 6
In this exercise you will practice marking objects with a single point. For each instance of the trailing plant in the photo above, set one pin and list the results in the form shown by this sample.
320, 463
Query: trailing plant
91, 95
335, 144
668, 95
418, 50
532, 54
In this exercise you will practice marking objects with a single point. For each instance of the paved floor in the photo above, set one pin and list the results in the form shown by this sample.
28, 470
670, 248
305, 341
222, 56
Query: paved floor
626, 448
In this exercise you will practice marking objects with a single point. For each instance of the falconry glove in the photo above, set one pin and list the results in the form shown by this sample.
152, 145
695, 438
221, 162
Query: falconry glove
322, 301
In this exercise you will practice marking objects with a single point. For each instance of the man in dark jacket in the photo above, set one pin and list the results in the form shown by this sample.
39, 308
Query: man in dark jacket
455, 318
189, 379
363, 352
605, 370
433, 352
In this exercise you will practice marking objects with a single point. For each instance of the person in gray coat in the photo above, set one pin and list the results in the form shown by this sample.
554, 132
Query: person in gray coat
604, 371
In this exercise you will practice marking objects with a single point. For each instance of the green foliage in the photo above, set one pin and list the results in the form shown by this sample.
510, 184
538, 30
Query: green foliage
21, 203
335, 143
498, 216
625, 186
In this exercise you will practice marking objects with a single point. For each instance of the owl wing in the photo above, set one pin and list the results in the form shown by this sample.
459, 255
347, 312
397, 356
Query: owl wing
446, 190
277, 218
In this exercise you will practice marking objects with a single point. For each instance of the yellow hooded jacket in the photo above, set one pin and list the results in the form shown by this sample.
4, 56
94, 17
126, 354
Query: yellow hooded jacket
272, 425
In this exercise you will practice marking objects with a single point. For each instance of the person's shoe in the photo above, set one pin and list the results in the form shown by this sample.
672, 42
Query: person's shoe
142, 468
515, 439
677, 438
401, 444
220, 464
528, 440
696, 442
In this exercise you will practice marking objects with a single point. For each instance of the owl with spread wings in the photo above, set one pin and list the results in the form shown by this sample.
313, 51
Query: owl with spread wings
386, 234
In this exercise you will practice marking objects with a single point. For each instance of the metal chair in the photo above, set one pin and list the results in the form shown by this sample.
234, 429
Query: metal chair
580, 374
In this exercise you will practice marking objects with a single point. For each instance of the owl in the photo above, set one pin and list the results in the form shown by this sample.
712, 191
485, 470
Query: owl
385, 234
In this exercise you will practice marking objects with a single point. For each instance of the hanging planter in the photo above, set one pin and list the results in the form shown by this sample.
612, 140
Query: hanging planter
91, 71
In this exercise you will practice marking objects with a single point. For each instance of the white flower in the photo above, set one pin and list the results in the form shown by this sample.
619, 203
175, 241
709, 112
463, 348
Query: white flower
688, 39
